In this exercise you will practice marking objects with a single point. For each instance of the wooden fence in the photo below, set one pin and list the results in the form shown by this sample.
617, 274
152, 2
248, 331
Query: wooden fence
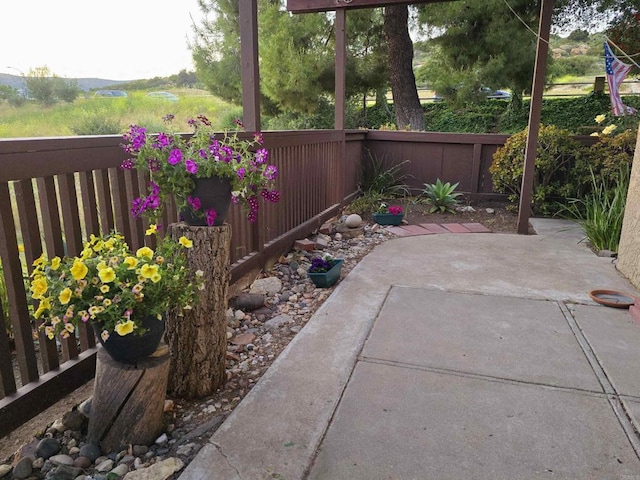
55, 192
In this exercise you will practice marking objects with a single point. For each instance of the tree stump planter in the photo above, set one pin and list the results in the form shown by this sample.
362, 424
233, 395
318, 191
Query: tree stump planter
198, 340
128, 400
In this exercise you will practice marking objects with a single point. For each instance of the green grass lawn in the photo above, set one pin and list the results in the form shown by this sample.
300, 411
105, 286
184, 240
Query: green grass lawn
34, 120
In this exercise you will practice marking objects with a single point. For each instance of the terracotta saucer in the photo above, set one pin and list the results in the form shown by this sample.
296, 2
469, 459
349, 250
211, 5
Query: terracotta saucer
612, 298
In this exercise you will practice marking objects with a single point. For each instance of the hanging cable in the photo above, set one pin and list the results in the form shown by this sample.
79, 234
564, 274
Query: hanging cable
525, 23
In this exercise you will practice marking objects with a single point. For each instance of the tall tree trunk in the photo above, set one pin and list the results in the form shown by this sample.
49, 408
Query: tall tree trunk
406, 103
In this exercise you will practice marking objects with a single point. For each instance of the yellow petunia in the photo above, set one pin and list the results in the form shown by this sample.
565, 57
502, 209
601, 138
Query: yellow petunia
43, 307
79, 269
49, 332
69, 327
86, 253
156, 277
101, 265
125, 328
65, 296
39, 287
185, 242
107, 275
144, 252
152, 230
600, 118
148, 271
98, 246
607, 130
131, 262
104, 288
41, 260
595, 134
55, 263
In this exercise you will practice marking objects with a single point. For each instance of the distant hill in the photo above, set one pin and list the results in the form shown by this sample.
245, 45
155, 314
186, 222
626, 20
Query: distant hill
85, 84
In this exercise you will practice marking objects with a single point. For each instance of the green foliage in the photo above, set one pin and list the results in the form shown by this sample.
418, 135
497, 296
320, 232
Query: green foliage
365, 204
378, 177
441, 196
96, 124
575, 65
601, 212
554, 176
47, 88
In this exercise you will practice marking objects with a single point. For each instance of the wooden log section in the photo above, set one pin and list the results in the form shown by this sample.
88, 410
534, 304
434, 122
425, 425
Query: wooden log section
128, 400
198, 340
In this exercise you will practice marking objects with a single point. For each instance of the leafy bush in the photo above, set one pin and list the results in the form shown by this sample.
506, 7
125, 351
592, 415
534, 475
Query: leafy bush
379, 178
96, 125
554, 177
441, 196
365, 204
607, 157
602, 210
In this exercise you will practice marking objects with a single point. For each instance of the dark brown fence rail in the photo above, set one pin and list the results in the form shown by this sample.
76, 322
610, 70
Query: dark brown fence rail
55, 192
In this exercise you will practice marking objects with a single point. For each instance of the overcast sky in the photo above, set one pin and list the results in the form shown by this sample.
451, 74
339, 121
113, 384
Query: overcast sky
116, 39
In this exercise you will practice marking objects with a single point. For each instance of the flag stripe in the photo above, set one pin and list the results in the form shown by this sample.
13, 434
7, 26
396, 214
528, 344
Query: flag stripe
616, 71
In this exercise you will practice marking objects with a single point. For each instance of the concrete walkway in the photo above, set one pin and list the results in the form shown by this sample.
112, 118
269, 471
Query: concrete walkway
449, 357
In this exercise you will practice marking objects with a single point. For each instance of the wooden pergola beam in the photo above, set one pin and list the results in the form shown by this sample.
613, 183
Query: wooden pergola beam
308, 6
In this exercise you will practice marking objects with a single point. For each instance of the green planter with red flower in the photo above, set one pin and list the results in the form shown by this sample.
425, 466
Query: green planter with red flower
388, 215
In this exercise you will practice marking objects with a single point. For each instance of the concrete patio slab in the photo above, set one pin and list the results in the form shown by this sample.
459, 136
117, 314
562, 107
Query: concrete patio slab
503, 337
615, 339
417, 424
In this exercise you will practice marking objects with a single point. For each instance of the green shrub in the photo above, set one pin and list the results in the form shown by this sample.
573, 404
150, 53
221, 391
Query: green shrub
95, 124
441, 196
365, 204
601, 211
554, 177
379, 177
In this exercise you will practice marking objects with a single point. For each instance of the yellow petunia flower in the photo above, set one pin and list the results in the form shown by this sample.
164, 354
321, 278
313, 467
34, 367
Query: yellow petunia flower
65, 296
185, 242
39, 287
41, 260
104, 288
55, 263
144, 252
101, 265
125, 328
79, 269
148, 271
107, 275
595, 134
86, 253
98, 246
607, 130
43, 307
156, 277
131, 262
152, 230
69, 327
600, 118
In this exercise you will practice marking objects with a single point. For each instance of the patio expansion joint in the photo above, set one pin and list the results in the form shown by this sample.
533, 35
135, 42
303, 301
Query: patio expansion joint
478, 376
226, 459
613, 396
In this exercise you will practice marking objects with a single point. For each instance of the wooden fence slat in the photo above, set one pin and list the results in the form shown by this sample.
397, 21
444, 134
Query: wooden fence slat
31, 241
14, 283
7, 379
89, 204
105, 207
50, 217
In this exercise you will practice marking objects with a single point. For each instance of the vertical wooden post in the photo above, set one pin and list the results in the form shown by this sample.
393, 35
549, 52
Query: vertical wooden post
248, 10
198, 340
526, 191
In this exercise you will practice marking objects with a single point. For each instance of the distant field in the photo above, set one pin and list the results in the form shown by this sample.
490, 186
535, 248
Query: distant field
33, 120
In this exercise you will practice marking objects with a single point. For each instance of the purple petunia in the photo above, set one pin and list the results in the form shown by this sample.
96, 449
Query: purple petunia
191, 166
162, 141
211, 215
175, 157
241, 172
194, 202
271, 172
127, 164
262, 155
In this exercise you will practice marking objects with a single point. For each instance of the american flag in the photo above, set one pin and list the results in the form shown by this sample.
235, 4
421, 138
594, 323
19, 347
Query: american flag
616, 73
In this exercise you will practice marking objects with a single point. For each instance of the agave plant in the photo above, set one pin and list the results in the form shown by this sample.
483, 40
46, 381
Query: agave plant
441, 196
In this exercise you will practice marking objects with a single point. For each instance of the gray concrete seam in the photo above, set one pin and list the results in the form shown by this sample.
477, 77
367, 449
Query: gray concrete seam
612, 395
480, 376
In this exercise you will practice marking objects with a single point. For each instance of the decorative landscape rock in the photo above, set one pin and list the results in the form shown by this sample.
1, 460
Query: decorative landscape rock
248, 301
353, 221
266, 286
23, 468
47, 447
